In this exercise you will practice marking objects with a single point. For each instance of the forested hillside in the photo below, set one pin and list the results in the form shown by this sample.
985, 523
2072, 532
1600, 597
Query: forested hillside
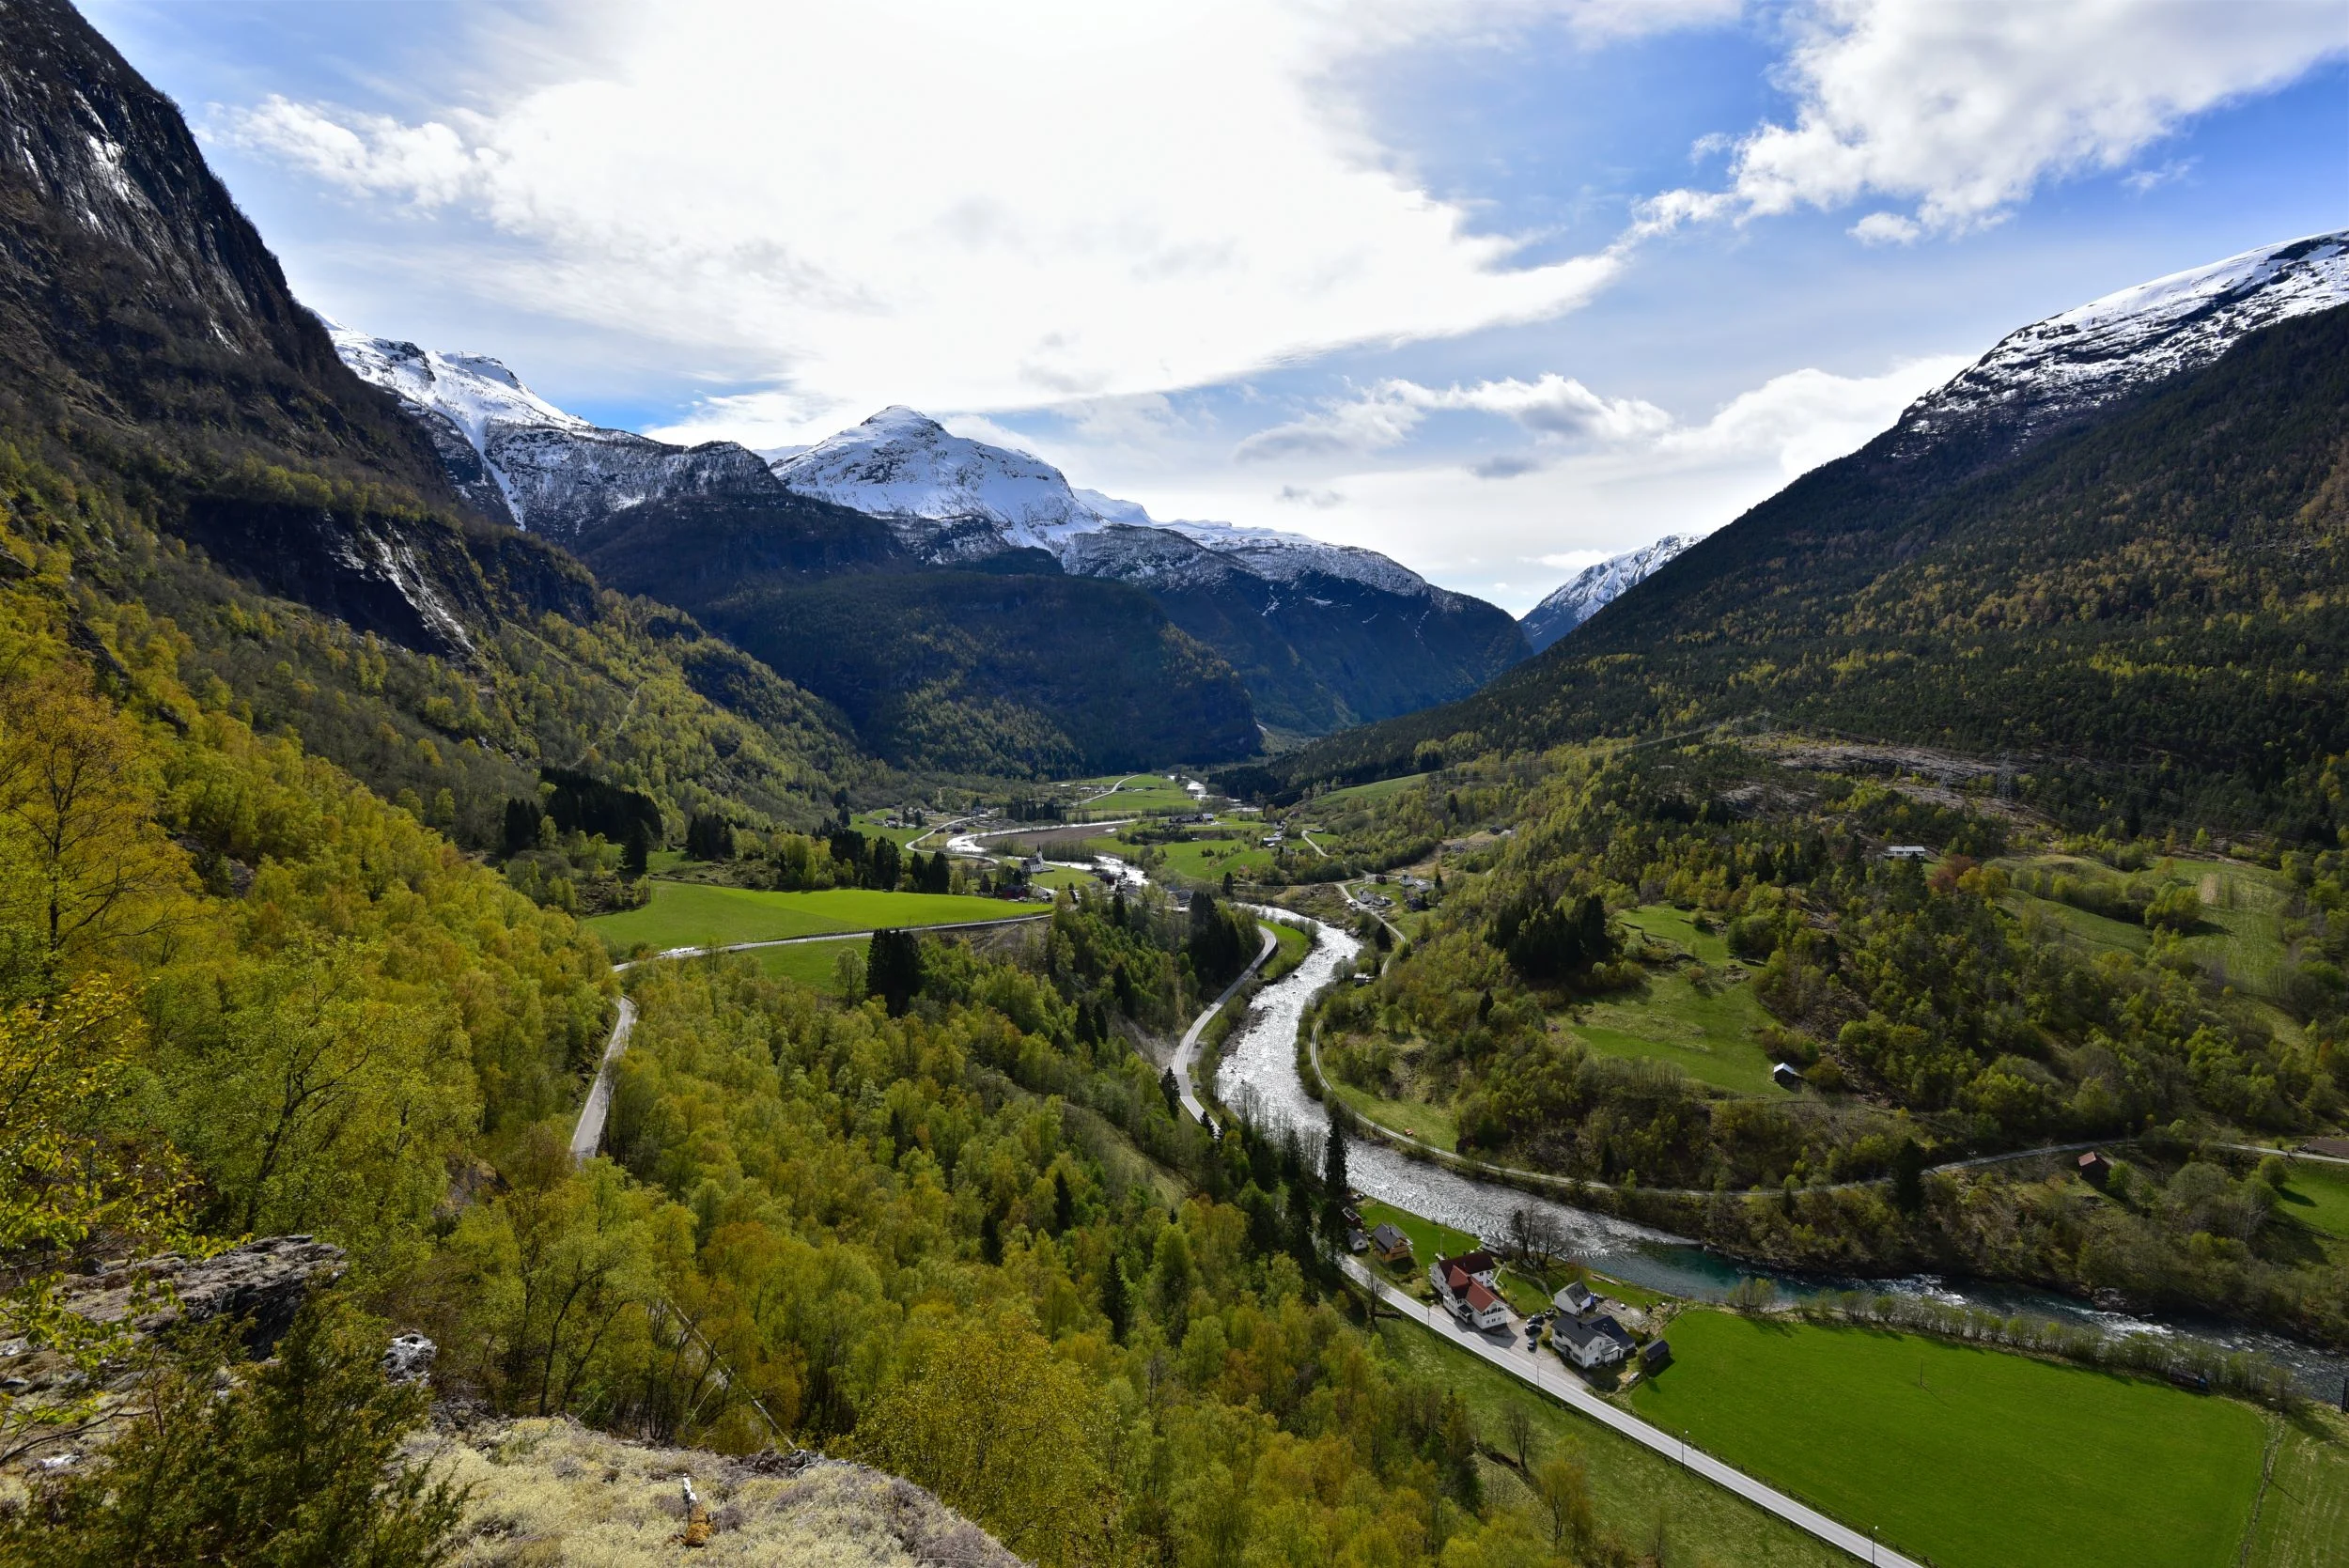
2143, 616
1010, 669
178, 427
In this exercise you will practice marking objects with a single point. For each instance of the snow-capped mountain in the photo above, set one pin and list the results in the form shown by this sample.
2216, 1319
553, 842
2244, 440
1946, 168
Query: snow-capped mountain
1592, 588
2070, 363
950, 498
523, 460
1325, 635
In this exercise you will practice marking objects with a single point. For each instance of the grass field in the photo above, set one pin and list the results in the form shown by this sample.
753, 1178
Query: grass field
1632, 1487
1143, 794
1429, 1123
1707, 1030
1971, 1457
687, 914
1430, 1240
2240, 939
2318, 1197
1361, 792
809, 963
2304, 1516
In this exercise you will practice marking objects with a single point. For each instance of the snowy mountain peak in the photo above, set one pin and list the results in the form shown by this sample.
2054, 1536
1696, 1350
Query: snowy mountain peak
952, 498
470, 390
903, 465
2108, 348
520, 459
1595, 587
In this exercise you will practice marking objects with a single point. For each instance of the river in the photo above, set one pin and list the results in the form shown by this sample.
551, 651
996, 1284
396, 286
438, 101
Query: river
1258, 1077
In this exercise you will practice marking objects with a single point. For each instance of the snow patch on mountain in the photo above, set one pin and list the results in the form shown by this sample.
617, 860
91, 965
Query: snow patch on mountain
1596, 587
522, 460
2108, 348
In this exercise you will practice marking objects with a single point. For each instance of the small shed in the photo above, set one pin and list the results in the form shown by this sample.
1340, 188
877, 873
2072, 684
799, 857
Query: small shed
1906, 852
1786, 1076
1654, 1353
2094, 1167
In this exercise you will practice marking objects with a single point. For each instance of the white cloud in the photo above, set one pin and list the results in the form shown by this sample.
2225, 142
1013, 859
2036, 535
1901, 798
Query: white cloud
1556, 506
1962, 110
956, 207
1389, 413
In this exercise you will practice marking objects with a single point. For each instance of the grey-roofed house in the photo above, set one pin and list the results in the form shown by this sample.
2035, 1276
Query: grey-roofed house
1591, 1341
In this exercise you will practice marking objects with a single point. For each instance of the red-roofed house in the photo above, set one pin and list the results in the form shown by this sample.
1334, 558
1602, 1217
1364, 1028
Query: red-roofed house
1481, 1309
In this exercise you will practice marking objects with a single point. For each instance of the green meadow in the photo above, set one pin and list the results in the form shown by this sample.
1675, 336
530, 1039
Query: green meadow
1972, 1458
1693, 1015
690, 914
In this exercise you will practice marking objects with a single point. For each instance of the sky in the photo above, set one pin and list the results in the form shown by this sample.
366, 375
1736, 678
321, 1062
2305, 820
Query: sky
1498, 289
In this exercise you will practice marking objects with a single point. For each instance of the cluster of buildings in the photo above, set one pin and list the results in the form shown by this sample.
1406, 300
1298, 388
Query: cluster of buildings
1580, 1330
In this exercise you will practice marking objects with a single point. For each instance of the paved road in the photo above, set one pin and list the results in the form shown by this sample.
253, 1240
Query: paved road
588, 1132
1187, 1052
1504, 1348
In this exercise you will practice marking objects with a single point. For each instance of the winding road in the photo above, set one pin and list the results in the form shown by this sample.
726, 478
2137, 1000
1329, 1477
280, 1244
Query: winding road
1187, 1052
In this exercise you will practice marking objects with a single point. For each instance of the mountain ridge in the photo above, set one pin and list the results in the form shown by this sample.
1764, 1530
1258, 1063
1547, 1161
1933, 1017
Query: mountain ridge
2079, 590
1323, 635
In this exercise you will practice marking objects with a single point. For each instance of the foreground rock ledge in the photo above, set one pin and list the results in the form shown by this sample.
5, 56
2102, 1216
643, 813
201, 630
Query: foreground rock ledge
548, 1492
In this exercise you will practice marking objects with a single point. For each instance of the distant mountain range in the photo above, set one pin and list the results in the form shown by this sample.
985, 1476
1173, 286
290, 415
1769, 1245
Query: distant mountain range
2110, 553
1322, 635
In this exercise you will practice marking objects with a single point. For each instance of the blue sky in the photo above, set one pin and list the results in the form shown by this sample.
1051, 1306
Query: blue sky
1496, 289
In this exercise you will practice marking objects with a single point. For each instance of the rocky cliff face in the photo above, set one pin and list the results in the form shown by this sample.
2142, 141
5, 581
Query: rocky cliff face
145, 329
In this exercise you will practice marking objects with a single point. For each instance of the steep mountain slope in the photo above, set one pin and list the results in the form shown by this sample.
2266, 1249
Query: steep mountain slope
1594, 588
2138, 598
181, 432
1325, 635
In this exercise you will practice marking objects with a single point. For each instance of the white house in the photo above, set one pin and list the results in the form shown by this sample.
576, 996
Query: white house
1464, 1285
1575, 1299
1591, 1342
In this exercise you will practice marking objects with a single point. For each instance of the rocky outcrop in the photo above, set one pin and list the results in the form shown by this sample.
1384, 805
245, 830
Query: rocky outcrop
552, 1492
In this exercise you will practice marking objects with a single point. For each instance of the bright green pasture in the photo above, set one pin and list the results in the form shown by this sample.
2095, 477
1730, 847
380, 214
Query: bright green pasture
1359, 794
1708, 1030
1972, 1457
809, 963
1634, 1488
1429, 1123
2318, 1197
690, 914
1145, 794
1208, 859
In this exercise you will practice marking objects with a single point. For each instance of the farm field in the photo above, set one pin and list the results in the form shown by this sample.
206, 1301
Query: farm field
690, 914
1359, 794
1637, 1491
2318, 1197
1708, 1028
1142, 794
1970, 1457
2304, 1517
809, 963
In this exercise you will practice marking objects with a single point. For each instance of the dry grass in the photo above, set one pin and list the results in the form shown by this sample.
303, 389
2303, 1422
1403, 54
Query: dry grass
549, 1492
